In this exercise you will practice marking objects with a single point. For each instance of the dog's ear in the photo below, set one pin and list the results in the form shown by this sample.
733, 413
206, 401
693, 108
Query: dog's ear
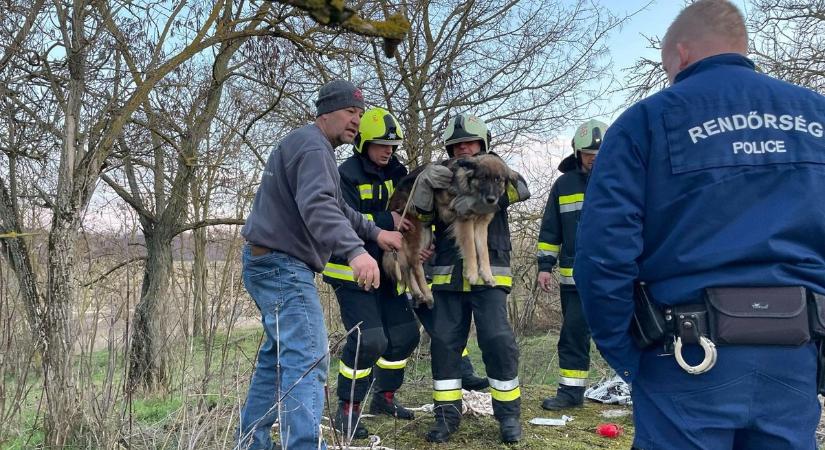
468, 165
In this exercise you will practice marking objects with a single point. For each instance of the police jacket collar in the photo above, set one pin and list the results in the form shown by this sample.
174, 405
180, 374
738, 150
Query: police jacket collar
724, 59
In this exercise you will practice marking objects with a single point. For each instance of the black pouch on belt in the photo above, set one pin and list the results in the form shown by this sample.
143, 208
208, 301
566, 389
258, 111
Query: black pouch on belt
648, 325
758, 315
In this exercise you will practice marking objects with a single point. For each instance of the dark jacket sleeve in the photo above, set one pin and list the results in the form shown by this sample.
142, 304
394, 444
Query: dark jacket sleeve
550, 234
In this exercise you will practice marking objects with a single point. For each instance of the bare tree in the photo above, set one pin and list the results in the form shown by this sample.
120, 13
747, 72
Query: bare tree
787, 40
645, 76
71, 73
182, 136
527, 68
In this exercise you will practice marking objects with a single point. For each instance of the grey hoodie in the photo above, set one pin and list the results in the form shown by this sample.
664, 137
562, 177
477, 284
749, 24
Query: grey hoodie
299, 209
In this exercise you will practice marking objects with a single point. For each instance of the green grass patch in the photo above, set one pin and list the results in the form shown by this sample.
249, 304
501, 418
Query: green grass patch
153, 410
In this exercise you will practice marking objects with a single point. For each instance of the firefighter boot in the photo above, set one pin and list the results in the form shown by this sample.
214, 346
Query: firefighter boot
347, 420
510, 428
469, 380
447, 419
385, 403
566, 397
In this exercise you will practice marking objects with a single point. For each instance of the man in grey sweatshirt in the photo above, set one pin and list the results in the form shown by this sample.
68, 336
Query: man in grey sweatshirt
298, 219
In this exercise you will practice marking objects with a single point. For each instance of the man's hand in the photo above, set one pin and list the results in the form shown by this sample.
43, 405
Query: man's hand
465, 205
365, 271
389, 240
426, 253
543, 281
400, 225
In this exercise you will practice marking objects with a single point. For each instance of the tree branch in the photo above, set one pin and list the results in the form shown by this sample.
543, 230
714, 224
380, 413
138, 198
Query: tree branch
208, 223
109, 272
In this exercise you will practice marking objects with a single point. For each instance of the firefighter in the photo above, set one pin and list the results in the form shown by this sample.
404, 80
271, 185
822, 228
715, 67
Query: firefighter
457, 302
389, 330
557, 242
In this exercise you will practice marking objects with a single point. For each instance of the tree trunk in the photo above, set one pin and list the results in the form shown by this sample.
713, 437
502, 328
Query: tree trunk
17, 253
148, 358
61, 396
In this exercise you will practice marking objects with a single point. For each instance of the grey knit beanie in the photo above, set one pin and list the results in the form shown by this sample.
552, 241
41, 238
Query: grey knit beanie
338, 94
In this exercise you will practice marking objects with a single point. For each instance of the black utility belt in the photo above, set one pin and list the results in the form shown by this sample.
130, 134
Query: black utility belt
787, 315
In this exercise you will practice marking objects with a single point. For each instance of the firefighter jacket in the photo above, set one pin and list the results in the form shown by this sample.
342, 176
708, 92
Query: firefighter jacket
367, 189
447, 264
717, 180
557, 237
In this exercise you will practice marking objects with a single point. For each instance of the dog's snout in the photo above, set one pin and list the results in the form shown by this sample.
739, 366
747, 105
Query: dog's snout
490, 199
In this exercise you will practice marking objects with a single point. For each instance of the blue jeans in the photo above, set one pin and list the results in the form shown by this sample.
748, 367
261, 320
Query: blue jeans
292, 362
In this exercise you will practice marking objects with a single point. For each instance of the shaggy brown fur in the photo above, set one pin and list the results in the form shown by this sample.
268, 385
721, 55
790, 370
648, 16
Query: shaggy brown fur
405, 266
484, 177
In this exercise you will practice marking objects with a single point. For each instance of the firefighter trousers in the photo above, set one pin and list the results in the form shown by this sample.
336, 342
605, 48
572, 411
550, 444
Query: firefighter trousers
574, 341
389, 334
425, 316
452, 315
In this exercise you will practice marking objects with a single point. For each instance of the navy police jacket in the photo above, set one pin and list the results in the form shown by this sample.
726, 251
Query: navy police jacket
718, 180
557, 236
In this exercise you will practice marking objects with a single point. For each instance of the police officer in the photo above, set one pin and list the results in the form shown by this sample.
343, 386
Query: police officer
715, 181
457, 302
389, 330
557, 242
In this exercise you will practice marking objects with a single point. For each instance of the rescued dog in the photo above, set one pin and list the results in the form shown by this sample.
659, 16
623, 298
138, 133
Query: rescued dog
405, 266
481, 181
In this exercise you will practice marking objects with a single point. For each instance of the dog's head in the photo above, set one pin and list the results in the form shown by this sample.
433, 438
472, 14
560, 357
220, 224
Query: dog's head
485, 176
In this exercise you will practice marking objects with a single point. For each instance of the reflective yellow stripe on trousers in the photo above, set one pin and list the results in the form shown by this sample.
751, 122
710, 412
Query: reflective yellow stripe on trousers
391, 365
570, 377
505, 390
447, 390
351, 373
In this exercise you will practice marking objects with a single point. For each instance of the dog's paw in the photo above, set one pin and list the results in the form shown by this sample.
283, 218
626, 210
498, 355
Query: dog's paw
488, 278
424, 300
471, 276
